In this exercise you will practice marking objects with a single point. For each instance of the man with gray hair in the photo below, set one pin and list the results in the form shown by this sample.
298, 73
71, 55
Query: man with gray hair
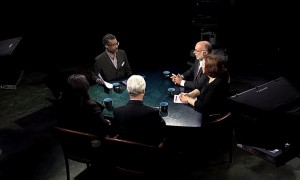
137, 121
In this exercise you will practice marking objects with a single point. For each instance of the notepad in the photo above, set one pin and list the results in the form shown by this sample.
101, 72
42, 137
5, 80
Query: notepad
177, 99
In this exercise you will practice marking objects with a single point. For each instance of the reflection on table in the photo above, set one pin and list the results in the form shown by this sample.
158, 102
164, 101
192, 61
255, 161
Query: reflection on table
157, 85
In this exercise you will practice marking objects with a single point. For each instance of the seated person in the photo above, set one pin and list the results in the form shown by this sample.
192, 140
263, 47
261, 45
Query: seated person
194, 78
112, 63
213, 97
137, 121
78, 111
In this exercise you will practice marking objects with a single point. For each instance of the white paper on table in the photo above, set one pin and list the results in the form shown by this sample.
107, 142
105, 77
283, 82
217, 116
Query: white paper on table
108, 85
177, 99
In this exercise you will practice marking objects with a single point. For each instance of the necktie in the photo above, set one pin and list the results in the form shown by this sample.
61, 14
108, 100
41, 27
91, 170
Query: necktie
198, 72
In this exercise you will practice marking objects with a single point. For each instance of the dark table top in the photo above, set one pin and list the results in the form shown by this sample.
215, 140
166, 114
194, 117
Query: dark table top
179, 114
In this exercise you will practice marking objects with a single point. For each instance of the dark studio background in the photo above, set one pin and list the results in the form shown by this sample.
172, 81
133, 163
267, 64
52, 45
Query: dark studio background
260, 39
154, 34
72, 33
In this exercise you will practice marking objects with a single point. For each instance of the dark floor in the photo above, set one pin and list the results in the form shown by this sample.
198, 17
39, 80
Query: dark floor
31, 152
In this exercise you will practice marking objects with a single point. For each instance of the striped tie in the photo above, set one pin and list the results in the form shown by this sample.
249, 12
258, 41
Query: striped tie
199, 69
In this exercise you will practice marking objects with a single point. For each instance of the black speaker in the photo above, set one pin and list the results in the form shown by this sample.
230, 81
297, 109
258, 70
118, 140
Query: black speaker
11, 69
269, 96
8, 46
262, 114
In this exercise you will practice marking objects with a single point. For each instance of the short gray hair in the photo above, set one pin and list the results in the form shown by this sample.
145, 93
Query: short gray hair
136, 85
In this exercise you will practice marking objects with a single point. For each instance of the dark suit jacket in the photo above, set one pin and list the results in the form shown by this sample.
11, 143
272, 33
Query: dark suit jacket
106, 68
213, 97
192, 82
140, 123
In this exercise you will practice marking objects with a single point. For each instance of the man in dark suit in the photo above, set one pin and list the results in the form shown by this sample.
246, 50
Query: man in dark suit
137, 121
112, 63
193, 78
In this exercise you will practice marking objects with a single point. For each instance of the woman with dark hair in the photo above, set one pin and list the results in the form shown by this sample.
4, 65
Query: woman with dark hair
78, 111
212, 98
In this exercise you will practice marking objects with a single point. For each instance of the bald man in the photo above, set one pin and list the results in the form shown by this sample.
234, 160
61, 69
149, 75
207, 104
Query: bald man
193, 78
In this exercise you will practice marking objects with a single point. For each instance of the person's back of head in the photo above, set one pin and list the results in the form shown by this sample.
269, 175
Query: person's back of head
136, 85
214, 65
73, 98
77, 89
207, 46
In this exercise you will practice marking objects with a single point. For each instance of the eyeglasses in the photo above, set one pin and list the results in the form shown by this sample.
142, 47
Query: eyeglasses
114, 45
195, 50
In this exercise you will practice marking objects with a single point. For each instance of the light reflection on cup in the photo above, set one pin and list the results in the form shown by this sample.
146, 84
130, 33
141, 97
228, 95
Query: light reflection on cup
163, 107
166, 74
171, 91
108, 103
117, 87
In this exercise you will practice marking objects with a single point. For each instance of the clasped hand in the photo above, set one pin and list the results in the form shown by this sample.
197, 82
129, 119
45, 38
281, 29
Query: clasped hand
184, 97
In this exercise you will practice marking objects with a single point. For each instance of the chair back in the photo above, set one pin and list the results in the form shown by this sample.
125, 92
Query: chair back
78, 146
132, 158
219, 132
219, 122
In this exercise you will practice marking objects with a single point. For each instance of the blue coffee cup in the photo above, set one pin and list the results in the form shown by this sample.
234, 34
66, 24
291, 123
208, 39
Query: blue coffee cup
171, 91
166, 74
163, 106
117, 87
108, 103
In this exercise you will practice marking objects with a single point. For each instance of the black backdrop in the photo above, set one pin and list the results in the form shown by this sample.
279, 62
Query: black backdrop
151, 33
154, 34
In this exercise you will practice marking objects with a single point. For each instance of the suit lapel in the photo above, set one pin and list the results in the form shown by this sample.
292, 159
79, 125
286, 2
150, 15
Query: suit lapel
109, 61
119, 60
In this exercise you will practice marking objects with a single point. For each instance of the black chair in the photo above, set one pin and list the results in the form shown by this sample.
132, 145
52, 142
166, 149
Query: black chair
78, 146
218, 135
133, 159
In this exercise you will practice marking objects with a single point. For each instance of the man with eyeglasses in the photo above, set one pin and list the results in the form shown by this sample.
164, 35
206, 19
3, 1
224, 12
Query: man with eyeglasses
193, 78
112, 63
